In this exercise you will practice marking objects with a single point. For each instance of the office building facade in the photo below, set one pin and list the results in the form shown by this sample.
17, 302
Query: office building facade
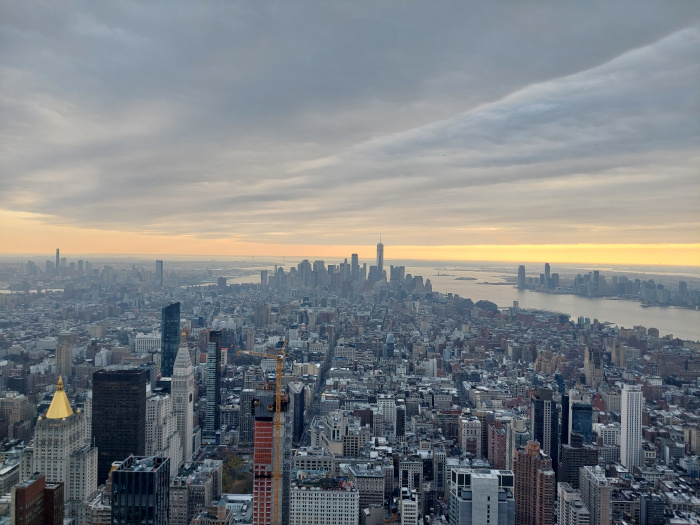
118, 428
140, 491
170, 338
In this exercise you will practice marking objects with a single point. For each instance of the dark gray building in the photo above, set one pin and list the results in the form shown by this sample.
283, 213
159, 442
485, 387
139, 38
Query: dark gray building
141, 491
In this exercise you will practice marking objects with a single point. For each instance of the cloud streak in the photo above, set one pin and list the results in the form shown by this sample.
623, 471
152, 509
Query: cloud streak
315, 126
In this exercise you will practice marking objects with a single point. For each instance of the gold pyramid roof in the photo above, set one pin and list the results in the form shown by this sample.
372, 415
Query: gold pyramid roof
60, 407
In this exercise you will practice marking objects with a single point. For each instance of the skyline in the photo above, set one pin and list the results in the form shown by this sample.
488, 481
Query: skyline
505, 134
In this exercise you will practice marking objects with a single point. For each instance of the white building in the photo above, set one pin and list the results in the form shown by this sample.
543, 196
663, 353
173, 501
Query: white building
61, 450
324, 502
182, 392
572, 510
162, 437
609, 433
145, 343
482, 496
596, 494
631, 430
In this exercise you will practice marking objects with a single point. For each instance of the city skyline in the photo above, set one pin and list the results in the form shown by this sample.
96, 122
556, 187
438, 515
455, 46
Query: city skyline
501, 134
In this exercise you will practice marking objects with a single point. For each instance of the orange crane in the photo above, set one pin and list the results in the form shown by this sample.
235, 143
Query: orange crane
277, 471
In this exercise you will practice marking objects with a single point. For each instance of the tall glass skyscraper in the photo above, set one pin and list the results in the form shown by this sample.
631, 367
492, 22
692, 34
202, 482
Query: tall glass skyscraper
169, 338
118, 416
380, 260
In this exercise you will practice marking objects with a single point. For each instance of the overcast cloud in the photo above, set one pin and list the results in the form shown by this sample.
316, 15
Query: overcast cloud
318, 122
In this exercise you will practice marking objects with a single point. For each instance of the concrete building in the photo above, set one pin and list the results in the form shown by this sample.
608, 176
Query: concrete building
140, 491
61, 450
631, 429
595, 494
479, 496
572, 510
182, 392
535, 486
162, 437
323, 501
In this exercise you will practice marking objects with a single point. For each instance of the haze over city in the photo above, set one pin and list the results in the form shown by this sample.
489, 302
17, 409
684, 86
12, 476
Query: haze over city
457, 131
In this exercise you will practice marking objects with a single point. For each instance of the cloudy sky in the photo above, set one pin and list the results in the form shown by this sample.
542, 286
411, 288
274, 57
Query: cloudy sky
275, 127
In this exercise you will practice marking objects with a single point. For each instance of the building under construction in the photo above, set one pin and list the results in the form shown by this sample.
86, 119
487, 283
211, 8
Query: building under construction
271, 460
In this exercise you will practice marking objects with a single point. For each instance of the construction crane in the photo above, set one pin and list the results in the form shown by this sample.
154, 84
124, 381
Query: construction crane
277, 471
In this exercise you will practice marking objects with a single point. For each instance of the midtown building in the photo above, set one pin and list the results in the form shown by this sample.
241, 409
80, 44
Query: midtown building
573, 458
545, 423
535, 486
62, 451
631, 404
213, 383
196, 487
481, 496
162, 437
36, 502
572, 510
118, 428
170, 338
595, 494
140, 491
268, 452
323, 501
182, 394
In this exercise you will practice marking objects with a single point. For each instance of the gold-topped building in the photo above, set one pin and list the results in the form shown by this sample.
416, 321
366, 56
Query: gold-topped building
62, 452
60, 406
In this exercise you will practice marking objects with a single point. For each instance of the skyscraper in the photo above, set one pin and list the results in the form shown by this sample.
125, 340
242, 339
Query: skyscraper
547, 275
62, 451
545, 423
522, 284
267, 492
535, 486
182, 391
595, 493
162, 437
213, 382
246, 420
141, 491
593, 366
380, 259
169, 338
58, 262
64, 358
118, 416
631, 403
481, 496
159, 273
355, 267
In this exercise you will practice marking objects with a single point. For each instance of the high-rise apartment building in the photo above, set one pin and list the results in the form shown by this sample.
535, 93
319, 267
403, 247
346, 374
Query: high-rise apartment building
572, 510
118, 416
297, 406
182, 392
213, 383
522, 283
268, 450
482, 496
196, 487
62, 452
595, 493
380, 260
140, 491
545, 423
631, 404
170, 338
517, 436
246, 419
159, 273
535, 486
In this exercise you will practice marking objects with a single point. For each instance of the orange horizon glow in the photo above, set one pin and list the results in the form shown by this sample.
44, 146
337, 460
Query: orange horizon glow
27, 236
35, 238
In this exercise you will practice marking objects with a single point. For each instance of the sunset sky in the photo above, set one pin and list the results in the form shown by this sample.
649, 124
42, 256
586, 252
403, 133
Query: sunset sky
504, 131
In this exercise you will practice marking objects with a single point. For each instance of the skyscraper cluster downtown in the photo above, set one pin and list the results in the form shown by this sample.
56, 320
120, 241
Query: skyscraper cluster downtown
334, 393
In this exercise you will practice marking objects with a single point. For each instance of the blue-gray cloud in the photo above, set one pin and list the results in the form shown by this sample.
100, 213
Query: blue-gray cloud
451, 124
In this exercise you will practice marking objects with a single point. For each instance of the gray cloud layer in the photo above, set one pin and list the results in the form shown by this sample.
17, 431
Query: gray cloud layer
436, 123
